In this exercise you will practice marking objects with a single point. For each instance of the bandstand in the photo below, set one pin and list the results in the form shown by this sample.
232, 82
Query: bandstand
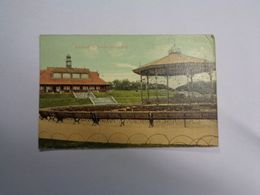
174, 64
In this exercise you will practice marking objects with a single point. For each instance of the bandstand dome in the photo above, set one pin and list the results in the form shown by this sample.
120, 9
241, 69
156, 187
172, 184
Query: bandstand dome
174, 64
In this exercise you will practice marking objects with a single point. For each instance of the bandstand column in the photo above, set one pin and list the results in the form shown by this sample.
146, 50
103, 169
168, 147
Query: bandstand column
212, 87
188, 83
156, 87
191, 84
167, 79
147, 88
141, 77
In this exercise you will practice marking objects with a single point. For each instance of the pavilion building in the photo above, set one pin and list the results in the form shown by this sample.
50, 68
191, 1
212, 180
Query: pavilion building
69, 79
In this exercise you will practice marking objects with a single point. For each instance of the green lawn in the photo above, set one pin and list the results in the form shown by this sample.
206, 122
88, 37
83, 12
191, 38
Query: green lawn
121, 96
132, 96
52, 100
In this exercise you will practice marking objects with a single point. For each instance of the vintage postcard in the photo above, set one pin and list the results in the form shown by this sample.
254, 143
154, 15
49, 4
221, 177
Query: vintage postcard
116, 91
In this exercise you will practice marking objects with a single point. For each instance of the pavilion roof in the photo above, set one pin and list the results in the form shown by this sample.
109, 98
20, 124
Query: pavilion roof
47, 79
68, 70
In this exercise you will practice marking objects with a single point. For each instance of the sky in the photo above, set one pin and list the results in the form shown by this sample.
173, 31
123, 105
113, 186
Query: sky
115, 56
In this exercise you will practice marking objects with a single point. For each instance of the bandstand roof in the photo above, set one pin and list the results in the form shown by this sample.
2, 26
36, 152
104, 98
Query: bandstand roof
175, 63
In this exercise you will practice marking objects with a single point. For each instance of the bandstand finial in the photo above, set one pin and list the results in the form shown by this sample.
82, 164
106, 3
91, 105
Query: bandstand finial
174, 49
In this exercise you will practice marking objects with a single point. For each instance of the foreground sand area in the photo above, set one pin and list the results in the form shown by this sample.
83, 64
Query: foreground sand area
202, 132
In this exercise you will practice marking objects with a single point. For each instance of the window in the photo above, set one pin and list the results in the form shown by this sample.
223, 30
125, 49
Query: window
56, 75
76, 88
75, 76
66, 75
58, 88
85, 88
66, 88
49, 88
84, 76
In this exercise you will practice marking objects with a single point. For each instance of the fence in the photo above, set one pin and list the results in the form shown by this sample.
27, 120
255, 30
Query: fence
137, 138
96, 116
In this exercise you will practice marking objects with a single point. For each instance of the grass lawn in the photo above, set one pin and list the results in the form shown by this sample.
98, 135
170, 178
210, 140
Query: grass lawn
132, 96
121, 96
52, 100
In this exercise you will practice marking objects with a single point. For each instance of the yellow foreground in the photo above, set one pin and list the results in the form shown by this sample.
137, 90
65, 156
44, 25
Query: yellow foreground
197, 132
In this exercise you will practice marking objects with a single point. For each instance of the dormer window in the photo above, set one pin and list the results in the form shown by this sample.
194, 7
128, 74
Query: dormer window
66, 75
56, 75
84, 76
75, 76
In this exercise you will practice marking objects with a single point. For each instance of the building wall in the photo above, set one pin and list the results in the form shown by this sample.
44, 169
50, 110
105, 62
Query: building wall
71, 88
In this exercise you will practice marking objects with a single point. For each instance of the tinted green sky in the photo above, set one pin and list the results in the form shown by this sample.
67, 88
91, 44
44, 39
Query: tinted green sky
115, 56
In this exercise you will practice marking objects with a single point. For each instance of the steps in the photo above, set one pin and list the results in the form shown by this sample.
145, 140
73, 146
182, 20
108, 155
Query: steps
110, 100
103, 101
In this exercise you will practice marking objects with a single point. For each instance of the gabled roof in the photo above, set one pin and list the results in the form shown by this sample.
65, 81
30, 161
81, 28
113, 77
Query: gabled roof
68, 70
46, 77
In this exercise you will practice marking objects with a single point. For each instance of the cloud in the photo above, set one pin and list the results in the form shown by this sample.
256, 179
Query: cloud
119, 44
120, 75
124, 65
93, 48
117, 49
92, 51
